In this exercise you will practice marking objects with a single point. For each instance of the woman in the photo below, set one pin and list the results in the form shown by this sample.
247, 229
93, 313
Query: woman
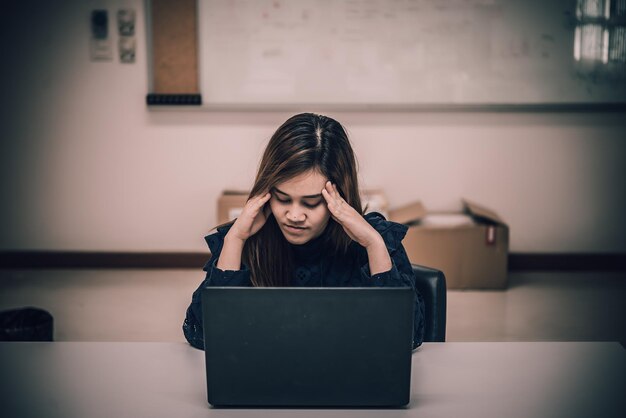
303, 225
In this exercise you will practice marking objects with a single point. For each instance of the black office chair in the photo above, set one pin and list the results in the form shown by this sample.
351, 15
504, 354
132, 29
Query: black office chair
431, 284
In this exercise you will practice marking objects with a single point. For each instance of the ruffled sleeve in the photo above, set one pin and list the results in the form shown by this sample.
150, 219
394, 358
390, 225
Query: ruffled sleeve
401, 272
393, 233
192, 326
217, 277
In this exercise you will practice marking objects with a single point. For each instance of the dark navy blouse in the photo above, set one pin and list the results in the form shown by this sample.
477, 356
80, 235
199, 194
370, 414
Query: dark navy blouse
314, 267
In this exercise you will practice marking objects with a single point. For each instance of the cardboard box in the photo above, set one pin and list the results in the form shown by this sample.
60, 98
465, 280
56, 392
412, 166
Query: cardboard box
230, 204
471, 250
374, 200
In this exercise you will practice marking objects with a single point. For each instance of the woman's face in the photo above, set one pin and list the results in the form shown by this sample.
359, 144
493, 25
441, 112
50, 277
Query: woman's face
299, 207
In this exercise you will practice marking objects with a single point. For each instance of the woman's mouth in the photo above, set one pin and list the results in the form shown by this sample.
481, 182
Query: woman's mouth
294, 229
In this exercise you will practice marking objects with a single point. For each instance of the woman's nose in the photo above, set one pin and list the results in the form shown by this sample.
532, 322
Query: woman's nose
296, 214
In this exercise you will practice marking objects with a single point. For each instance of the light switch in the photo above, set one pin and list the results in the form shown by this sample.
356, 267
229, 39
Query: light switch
126, 30
126, 22
126, 47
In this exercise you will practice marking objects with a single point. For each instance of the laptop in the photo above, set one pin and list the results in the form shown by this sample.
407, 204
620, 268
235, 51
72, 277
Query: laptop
308, 347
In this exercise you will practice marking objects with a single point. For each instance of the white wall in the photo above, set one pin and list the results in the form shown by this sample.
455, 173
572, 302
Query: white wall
86, 166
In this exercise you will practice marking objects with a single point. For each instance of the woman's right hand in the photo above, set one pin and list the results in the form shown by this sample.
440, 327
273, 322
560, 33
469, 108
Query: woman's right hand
252, 217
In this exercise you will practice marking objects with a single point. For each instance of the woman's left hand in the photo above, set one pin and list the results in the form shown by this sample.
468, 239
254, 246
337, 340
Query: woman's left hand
352, 222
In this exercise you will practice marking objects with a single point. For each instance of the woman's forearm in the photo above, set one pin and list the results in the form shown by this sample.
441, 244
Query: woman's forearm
378, 257
230, 257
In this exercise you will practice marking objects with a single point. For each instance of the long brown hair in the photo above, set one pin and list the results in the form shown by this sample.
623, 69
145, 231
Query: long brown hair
304, 142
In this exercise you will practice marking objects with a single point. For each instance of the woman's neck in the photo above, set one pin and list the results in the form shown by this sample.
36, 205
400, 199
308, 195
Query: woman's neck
310, 250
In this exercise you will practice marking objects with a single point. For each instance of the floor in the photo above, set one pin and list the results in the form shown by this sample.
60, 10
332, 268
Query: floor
149, 305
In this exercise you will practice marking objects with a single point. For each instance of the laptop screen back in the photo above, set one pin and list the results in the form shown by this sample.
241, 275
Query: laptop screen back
308, 346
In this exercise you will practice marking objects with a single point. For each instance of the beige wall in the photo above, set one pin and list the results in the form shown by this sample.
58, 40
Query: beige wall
86, 166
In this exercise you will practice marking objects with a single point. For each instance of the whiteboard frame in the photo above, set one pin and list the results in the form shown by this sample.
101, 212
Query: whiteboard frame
503, 107
417, 108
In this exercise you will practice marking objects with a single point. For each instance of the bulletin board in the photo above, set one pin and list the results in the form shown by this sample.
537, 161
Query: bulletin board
173, 39
397, 53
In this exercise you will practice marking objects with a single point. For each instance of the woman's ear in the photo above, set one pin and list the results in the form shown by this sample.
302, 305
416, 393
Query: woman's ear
267, 209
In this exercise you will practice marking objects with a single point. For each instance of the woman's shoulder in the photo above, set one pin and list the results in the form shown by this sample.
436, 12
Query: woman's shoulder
215, 238
392, 232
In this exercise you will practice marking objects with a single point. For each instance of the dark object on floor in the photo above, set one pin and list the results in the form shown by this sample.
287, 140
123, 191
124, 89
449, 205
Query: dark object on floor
26, 324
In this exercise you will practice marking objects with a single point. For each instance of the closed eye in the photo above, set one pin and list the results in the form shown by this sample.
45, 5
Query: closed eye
312, 205
305, 204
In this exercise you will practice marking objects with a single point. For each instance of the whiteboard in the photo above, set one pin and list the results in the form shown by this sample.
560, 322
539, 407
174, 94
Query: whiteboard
396, 53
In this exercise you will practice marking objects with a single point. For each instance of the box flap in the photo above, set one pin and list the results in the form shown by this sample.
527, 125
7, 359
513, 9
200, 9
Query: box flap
408, 214
231, 192
447, 220
479, 211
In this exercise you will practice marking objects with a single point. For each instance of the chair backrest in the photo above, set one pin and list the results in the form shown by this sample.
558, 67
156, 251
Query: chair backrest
431, 284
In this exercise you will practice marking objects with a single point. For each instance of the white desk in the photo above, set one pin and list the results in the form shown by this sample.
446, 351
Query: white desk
542, 379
